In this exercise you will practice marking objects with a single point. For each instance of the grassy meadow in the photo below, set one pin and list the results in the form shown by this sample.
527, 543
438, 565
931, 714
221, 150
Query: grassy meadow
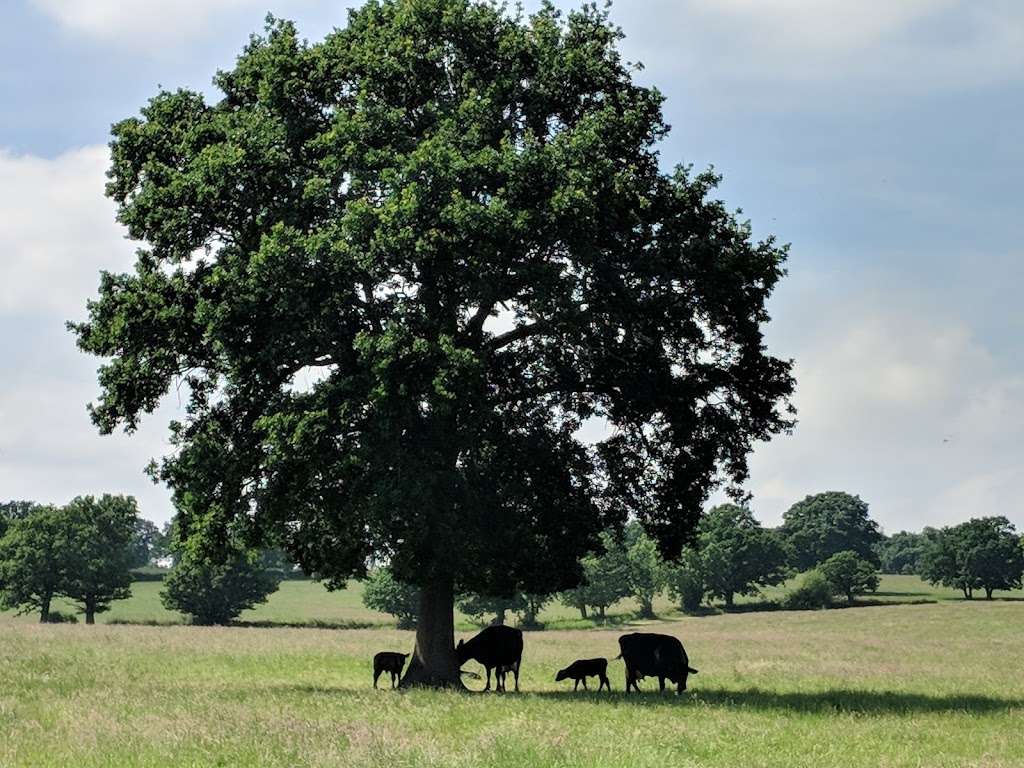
939, 684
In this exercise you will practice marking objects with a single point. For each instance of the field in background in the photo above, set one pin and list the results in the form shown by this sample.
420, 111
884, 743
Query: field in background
909, 685
305, 602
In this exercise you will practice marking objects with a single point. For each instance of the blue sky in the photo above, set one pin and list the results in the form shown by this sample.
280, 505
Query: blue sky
881, 139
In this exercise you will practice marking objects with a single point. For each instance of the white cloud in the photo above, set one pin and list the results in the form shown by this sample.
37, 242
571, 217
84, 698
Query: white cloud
57, 231
140, 24
751, 50
906, 408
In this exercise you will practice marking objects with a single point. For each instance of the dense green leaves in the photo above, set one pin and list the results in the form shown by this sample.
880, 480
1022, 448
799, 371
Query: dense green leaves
33, 556
215, 592
826, 523
397, 269
383, 592
100, 552
848, 574
737, 555
982, 553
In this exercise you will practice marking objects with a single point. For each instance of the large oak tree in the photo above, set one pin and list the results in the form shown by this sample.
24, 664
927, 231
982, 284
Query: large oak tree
396, 271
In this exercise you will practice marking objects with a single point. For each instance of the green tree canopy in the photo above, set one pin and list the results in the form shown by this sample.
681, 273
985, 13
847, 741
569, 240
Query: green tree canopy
33, 560
383, 592
100, 534
737, 555
849, 574
902, 552
826, 523
605, 577
982, 553
14, 510
452, 220
217, 591
646, 572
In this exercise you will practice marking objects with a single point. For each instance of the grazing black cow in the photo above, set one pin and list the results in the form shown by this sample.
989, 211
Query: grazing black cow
581, 669
499, 648
651, 655
388, 661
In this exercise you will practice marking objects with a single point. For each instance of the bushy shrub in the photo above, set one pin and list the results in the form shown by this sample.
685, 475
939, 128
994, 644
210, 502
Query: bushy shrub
813, 592
215, 593
383, 592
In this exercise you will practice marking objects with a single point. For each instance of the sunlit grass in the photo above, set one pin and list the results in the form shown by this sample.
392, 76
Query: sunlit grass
930, 685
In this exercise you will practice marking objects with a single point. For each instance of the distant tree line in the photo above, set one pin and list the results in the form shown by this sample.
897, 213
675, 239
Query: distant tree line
829, 537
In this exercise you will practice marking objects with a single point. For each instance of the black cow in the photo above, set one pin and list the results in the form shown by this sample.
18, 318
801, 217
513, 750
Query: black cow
651, 655
499, 648
581, 669
388, 661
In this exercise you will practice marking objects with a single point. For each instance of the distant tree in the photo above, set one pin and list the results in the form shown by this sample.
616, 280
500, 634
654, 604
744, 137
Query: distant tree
217, 592
813, 592
100, 551
368, 206
531, 606
902, 552
14, 510
605, 577
146, 542
822, 525
383, 592
686, 583
849, 574
485, 609
33, 561
738, 555
982, 553
646, 571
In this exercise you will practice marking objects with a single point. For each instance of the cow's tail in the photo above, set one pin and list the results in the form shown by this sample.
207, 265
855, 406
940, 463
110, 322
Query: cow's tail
691, 670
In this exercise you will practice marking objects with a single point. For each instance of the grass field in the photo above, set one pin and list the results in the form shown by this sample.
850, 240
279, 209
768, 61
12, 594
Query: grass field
907, 685
305, 602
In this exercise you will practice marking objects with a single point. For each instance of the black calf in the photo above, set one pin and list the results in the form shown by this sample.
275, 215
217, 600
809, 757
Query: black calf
581, 669
388, 661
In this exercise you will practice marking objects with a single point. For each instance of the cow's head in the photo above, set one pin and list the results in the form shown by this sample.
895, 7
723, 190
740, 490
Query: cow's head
461, 653
562, 674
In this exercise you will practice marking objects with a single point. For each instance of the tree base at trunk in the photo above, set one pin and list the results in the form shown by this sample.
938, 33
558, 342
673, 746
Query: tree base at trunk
418, 676
433, 663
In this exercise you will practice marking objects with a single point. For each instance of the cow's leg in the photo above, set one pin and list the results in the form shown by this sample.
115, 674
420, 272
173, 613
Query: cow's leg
376, 674
576, 684
584, 681
488, 686
515, 671
604, 682
661, 683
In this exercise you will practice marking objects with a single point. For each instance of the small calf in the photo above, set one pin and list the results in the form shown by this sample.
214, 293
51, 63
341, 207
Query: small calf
581, 669
388, 661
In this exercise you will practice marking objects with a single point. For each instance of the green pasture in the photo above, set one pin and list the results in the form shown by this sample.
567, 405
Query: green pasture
310, 604
906, 685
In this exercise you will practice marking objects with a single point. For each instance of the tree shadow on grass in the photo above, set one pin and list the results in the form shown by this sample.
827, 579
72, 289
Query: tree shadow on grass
834, 701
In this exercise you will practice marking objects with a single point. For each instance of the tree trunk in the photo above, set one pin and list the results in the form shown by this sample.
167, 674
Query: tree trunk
499, 619
90, 611
583, 610
433, 660
988, 593
44, 609
600, 612
728, 599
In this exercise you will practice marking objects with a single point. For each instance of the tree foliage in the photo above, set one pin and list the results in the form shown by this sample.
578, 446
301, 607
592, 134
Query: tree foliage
686, 581
827, 523
605, 577
387, 594
812, 593
982, 553
99, 554
364, 208
489, 610
737, 555
902, 552
646, 572
33, 560
849, 574
14, 510
215, 592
